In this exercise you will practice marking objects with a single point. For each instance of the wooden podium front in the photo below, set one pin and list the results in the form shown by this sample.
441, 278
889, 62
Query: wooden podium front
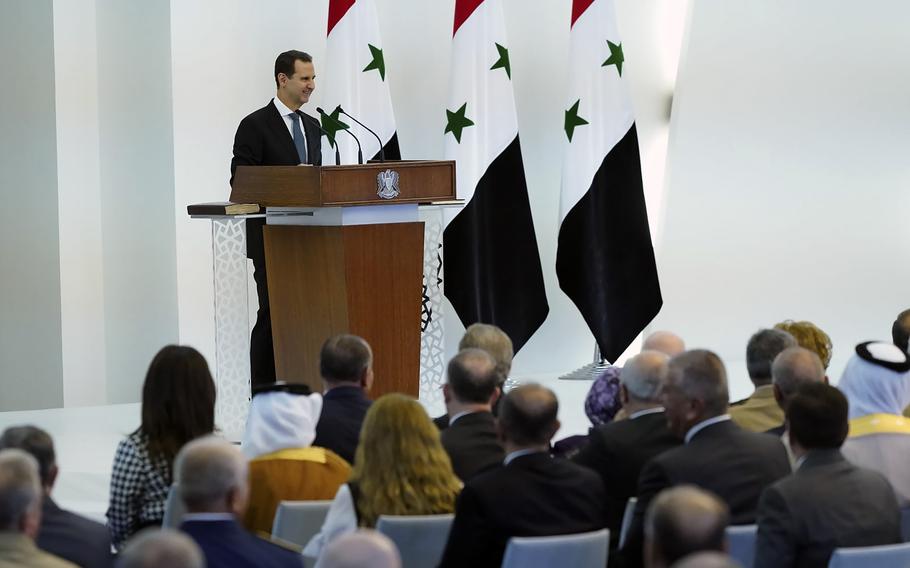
348, 269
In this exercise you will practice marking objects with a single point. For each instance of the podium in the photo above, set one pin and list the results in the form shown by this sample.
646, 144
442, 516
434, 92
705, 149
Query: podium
344, 254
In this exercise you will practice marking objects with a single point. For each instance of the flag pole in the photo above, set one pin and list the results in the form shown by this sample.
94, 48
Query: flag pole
590, 371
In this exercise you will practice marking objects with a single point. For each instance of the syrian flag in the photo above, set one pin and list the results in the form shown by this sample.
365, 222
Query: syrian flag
356, 82
491, 263
604, 260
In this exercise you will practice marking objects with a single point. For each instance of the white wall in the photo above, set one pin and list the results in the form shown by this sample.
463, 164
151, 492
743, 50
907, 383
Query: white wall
789, 183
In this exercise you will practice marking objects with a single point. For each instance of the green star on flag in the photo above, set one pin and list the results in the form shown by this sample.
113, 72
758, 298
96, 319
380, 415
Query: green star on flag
378, 61
616, 56
503, 61
457, 121
573, 120
331, 124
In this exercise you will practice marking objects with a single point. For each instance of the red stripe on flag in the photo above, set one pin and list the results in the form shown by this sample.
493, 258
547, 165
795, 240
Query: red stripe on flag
463, 10
337, 10
578, 8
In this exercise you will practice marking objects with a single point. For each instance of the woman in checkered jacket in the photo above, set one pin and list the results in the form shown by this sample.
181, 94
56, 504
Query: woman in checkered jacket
178, 405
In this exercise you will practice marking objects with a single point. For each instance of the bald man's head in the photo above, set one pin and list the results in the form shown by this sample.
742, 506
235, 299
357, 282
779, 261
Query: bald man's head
211, 475
795, 366
683, 520
666, 342
707, 560
527, 416
362, 549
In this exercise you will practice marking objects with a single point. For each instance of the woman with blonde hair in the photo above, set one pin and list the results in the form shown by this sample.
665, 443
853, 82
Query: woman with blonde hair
400, 468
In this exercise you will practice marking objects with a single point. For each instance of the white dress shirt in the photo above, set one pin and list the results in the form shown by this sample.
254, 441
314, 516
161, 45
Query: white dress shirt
341, 519
704, 424
284, 111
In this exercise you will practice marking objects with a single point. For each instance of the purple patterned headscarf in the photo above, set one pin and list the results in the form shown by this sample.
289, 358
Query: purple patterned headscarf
602, 402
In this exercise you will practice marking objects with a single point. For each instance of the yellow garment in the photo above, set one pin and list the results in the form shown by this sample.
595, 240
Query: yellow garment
17, 550
760, 412
295, 474
879, 424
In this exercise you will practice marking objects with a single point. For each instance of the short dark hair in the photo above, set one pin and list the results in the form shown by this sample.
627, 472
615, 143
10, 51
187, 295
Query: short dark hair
817, 416
344, 358
473, 375
284, 63
900, 330
527, 415
761, 350
35, 441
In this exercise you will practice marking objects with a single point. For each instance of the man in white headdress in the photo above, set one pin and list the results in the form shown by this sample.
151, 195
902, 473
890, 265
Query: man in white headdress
284, 465
876, 382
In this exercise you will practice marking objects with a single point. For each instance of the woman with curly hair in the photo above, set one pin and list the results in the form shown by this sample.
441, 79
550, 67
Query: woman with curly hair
400, 468
178, 405
809, 336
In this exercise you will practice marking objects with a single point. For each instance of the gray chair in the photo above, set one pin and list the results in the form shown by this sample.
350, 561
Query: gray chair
298, 521
584, 550
174, 509
421, 539
905, 524
627, 515
890, 556
741, 543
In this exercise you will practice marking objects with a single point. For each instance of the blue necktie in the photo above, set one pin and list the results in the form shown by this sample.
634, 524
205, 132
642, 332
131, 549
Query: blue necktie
299, 139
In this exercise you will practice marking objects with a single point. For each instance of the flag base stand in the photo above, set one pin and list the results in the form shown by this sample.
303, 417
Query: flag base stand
590, 371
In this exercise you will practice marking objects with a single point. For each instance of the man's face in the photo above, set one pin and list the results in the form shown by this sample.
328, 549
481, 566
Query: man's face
299, 86
678, 407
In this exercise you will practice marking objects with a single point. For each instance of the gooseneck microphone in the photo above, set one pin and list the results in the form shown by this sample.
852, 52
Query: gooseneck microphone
348, 130
337, 155
368, 129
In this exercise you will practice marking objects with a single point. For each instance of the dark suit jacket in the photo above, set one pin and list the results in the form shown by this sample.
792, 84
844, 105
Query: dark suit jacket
225, 544
534, 495
732, 463
74, 538
263, 139
472, 444
618, 451
338, 429
826, 504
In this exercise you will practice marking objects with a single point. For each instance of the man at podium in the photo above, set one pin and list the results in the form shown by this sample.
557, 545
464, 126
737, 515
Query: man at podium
278, 134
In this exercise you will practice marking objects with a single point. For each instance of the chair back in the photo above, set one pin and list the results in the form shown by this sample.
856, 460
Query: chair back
627, 520
741, 543
890, 555
583, 550
905, 524
299, 521
421, 539
174, 509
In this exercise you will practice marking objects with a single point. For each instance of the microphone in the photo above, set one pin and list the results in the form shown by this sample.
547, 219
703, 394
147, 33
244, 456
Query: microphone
368, 129
321, 129
348, 130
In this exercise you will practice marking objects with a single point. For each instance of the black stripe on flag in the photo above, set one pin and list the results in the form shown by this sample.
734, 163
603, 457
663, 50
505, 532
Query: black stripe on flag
392, 152
605, 261
492, 271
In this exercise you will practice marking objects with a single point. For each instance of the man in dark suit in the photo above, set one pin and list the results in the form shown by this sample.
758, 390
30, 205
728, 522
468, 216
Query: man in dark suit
211, 474
828, 502
278, 134
533, 494
681, 521
793, 367
619, 450
62, 533
346, 367
734, 464
472, 387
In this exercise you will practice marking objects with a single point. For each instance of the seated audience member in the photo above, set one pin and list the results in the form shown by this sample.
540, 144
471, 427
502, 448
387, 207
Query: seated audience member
900, 331
495, 342
401, 469
618, 450
603, 403
793, 367
362, 549
284, 466
828, 502
876, 381
708, 559
760, 412
62, 533
178, 405
719, 456
160, 548
809, 336
533, 494
346, 367
683, 520
20, 513
212, 482
471, 389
